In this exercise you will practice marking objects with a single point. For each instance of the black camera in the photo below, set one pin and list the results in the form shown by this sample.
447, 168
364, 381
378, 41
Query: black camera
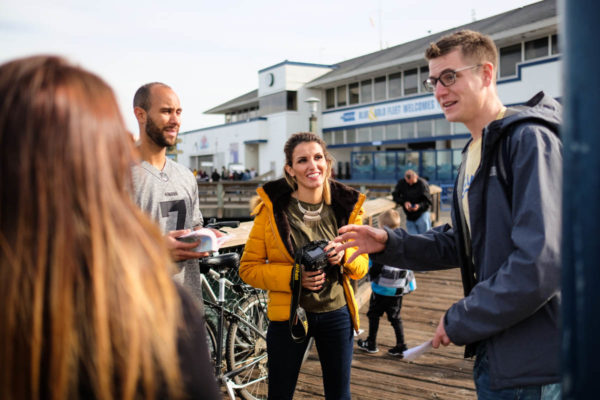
313, 255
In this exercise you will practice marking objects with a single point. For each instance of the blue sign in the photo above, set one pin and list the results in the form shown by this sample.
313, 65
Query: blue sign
348, 116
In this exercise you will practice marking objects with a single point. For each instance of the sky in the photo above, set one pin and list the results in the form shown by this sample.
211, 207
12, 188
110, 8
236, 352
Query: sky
210, 52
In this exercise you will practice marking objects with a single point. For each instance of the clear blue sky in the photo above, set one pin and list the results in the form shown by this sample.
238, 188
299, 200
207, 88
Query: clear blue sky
211, 51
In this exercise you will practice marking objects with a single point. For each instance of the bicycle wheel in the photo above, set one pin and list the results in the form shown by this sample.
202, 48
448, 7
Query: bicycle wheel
211, 340
247, 350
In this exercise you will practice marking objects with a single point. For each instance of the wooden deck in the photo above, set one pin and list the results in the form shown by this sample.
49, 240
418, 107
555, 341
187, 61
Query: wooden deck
438, 374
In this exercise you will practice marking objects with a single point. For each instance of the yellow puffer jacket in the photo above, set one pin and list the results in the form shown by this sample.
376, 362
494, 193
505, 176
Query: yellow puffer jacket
268, 254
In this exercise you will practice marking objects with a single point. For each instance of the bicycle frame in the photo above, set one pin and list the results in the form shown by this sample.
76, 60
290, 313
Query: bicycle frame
217, 303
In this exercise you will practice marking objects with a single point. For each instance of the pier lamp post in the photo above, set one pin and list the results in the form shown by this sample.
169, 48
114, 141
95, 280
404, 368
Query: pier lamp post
313, 103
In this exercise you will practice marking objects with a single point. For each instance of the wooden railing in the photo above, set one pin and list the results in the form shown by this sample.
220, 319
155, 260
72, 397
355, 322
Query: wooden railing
223, 197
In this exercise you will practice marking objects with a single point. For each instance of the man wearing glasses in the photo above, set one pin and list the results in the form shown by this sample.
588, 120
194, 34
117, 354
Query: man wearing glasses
506, 226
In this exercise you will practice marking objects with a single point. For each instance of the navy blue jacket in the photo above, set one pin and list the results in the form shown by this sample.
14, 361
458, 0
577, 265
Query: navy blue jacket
511, 262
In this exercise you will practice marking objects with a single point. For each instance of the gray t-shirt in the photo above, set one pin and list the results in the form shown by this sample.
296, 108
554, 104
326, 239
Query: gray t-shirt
170, 197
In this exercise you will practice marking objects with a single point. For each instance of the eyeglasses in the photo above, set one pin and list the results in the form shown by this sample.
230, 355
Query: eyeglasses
447, 78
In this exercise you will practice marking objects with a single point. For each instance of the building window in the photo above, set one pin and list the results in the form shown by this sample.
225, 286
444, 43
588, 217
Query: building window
350, 135
363, 135
278, 102
341, 96
353, 93
379, 88
441, 127
377, 133
407, 130
510, 56
292, 100
424, 75
338, 136
253, 113
328, 137
330, 98
395, 85
410, 82
365, 92
536, 48
392, 132
555, 48
424, 128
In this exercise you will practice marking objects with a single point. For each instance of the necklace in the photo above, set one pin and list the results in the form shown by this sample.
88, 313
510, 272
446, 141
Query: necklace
310, 217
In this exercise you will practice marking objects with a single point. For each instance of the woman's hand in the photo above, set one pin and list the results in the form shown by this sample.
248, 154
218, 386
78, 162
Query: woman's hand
313, 280
335, 256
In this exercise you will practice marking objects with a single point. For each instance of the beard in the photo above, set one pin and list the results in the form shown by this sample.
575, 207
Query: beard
156, 135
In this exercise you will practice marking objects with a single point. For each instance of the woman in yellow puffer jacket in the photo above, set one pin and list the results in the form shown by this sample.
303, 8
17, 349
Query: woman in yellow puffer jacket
303, 207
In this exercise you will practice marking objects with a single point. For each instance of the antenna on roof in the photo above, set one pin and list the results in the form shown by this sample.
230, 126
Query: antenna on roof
380, 28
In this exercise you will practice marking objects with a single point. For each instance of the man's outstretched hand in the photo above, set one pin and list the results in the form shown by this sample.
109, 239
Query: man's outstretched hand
365, 238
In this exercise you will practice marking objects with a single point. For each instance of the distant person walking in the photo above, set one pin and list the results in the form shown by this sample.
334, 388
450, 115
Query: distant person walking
412, 194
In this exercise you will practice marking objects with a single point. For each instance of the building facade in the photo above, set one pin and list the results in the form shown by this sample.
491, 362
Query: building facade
374, 113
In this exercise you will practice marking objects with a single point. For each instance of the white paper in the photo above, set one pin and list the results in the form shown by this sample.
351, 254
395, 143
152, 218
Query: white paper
415, 352
208, 240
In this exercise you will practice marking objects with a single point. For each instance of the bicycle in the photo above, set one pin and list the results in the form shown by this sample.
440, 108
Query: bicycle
244, 313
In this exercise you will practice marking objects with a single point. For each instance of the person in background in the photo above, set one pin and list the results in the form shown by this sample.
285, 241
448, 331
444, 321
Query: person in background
89, 309
215, 176
412, 194
388, 284
506, 226
304, 206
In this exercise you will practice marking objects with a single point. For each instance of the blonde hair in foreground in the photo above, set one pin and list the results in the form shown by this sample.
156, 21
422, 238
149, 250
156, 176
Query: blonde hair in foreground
87, 299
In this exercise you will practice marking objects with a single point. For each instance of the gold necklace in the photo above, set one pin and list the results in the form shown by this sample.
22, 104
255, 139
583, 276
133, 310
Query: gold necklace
501, 113
310, 217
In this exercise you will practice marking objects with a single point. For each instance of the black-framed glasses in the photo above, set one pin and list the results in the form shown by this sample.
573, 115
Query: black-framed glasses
446, 78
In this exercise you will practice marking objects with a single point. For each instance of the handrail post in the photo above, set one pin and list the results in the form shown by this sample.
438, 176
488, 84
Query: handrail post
220, 200
581, 199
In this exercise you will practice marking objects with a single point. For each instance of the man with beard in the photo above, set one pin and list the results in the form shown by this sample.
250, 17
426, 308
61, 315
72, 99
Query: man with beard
164, 189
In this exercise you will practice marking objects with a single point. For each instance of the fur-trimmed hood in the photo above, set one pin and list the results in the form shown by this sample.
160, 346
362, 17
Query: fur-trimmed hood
276, 195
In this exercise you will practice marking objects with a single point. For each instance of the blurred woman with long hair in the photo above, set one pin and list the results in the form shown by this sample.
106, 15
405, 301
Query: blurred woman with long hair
88, 308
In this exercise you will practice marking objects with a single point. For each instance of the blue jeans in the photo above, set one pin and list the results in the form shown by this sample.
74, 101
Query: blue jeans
481, 375
334, 339
420, 225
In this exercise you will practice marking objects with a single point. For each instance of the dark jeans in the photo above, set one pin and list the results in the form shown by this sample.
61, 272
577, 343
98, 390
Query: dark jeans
334, 339
390, 305
481, 374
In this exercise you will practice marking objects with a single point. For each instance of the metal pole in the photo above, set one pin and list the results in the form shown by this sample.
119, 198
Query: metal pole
581, 199
312, 124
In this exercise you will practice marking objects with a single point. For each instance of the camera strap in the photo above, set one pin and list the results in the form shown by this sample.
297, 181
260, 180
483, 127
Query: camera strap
297, 313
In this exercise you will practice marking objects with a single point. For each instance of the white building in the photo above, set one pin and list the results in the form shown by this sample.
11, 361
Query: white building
374, 113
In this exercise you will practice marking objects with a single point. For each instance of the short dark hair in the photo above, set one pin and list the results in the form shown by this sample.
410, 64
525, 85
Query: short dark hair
142, 95
473, 45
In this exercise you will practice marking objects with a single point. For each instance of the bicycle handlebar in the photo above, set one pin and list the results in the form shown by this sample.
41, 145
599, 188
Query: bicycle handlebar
212, 223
